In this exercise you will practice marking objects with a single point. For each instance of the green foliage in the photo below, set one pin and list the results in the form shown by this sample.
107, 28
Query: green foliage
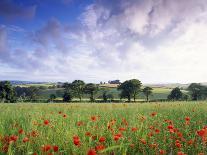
7, 93
130, 88
147, 91
78, 88
68, 96
175, 94
91, 89
197, 91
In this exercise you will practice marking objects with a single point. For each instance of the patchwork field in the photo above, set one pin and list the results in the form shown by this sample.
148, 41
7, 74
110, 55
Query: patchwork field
147, 128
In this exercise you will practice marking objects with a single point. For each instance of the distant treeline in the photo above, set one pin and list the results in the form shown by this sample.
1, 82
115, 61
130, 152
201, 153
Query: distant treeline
74, 92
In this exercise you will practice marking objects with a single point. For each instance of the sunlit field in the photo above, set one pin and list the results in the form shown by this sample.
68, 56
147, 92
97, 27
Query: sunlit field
72, 129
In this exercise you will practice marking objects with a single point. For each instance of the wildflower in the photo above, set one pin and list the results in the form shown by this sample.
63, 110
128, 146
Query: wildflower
153, 114
21, 131
88, 134
46, 148
100, 147
64, 115
26, 139
162, 152
46, 122
134, 129
76, 140
55, 148
13, 138
122, 129
157, 131
93, 118
187, 118
91, 152
117, 136
143, 141
102, 139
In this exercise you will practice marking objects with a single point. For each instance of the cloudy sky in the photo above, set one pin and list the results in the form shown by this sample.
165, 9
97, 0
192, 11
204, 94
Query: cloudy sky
156, 41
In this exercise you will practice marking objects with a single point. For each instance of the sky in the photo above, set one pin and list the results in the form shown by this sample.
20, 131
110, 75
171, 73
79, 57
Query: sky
155, 41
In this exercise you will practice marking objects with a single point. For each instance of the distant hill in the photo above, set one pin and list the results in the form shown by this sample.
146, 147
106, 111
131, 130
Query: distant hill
16, 82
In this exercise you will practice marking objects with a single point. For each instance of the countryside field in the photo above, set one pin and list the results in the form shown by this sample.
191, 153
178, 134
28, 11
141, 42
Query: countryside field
84, 128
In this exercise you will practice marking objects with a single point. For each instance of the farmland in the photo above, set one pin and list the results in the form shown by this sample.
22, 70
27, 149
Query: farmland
133, 128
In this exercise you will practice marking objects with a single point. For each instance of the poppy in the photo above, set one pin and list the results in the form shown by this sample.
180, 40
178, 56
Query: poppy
26, 139
91, 152
55, 148
102, 139
46, 122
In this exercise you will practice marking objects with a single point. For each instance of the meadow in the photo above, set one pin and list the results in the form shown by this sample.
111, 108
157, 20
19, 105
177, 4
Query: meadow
134, 128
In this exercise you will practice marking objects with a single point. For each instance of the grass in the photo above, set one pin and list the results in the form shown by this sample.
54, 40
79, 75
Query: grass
147, 128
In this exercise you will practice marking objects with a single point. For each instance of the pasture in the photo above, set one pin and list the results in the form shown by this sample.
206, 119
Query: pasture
84, 128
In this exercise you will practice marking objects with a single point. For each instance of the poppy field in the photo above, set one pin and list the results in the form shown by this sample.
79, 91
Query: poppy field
174, 128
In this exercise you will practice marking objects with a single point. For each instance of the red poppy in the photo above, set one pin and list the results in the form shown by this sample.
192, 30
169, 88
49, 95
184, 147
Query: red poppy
180, 153
46, 148
102, 139
26, 139
143, 141
93, 118
76, 140
88, 134
201, 132
64, 115
21, 131
187, 118
153, 114
162, 152
46, 122
55, 148
13, 138
157, 131
100, 147
117, 137
122, 129
91, 152
134, 129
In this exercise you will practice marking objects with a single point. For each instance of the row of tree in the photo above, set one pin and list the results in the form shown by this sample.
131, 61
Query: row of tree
78, 88
196, 92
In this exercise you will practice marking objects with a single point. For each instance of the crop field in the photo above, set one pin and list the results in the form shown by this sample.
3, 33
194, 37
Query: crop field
135, 128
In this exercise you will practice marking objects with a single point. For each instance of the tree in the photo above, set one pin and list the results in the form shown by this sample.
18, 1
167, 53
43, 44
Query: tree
197, 91
7, 93
175, 94
67, 97
130, 88
147, 92
91, 89
33, 93
52, 97
78, 88
105, 96
68, 92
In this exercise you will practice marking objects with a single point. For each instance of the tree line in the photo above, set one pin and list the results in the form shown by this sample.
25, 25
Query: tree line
129, 89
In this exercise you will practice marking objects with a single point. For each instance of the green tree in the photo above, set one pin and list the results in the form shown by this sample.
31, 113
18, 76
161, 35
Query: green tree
67, 97
91, 89
78, 88
52, 97
197, 91
33, 93
147, 91
130, 89
68, 92
7, 93
175, 94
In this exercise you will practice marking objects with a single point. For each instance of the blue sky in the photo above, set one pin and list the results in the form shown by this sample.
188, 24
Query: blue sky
156, 41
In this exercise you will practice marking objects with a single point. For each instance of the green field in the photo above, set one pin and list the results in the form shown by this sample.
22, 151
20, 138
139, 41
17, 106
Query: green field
144, 128
158, 93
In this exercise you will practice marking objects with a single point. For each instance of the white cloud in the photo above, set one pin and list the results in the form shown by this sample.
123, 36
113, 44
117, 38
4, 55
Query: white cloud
115, 42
